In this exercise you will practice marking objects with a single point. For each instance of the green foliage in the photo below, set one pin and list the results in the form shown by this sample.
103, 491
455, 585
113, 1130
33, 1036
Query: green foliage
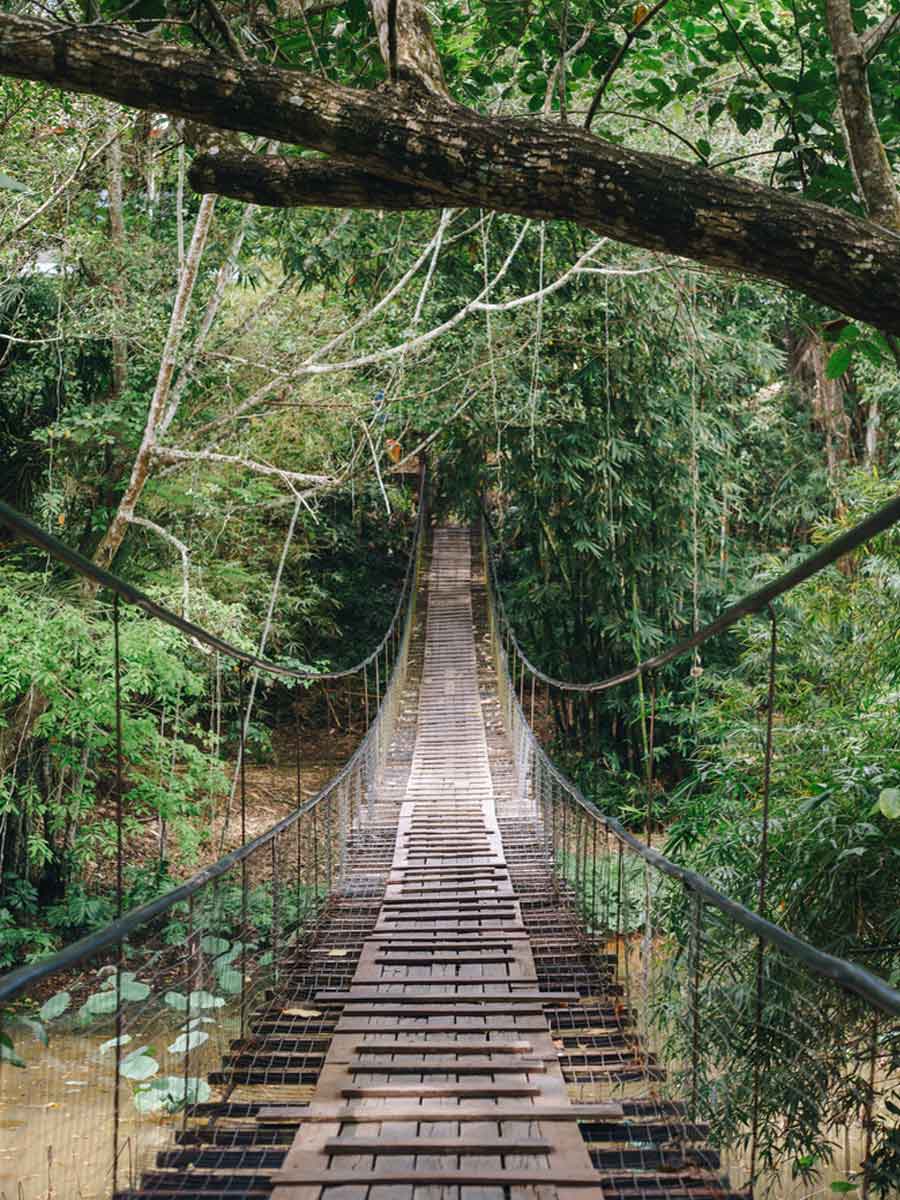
648, 449
745, 86
170, 1093
605, 500
59, 797
834, 842
833, 858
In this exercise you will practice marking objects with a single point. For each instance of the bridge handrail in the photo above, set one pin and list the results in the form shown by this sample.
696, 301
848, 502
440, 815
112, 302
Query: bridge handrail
117, 931
15, 982
847, 974
83, 566
754, 602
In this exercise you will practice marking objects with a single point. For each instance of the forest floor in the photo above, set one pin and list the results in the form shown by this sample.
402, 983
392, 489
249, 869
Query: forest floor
271, 793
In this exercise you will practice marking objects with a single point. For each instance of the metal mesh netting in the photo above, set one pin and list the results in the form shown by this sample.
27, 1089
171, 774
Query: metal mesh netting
738, 1052
146, 1028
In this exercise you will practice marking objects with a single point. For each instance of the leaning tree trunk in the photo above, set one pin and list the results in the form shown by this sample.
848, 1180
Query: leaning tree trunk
143, 462
117, 237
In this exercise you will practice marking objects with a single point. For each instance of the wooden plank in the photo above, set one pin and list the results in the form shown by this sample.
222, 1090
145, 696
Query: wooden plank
368, 995
442, 1047
427, 960
446, 1066
432, 1145
475, 937
449, 925
445, 1178
522, 1024
609, 1111
386, 942
433, 1091
491, 1008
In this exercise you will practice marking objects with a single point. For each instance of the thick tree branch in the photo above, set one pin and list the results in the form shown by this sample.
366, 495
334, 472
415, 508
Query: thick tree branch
169, 454
873, 39
281, 182
508, 165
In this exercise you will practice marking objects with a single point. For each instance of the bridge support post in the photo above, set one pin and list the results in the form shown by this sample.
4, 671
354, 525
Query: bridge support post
761, 901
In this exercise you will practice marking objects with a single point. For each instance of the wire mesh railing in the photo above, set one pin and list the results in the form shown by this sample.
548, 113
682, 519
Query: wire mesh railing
148, 1023
753, 1058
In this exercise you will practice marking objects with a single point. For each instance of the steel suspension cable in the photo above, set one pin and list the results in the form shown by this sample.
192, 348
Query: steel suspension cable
30, 532
753, 602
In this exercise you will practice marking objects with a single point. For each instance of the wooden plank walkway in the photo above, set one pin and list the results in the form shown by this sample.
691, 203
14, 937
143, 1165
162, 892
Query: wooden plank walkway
442, 1066
449, 1032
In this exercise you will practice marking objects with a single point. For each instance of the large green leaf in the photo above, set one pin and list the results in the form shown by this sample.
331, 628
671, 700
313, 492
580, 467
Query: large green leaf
169, 1092
138, 1066
99, 1004
214, 945
838, 361
55, 1006
113, 1042
133, 990
188, 1041
230, 981
202, 999
10, 184
889, 803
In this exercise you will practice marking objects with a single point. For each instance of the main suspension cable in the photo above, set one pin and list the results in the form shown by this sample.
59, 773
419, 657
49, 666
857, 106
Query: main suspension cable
30, 532
754, 602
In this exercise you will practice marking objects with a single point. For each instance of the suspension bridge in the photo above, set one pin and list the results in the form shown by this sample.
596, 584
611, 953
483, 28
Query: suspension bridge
448, 977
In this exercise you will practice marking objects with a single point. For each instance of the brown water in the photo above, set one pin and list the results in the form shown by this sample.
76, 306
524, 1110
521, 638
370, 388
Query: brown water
57, 1114
56, 1126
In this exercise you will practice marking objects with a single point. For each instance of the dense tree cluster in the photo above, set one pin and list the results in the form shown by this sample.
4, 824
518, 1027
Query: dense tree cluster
255, 258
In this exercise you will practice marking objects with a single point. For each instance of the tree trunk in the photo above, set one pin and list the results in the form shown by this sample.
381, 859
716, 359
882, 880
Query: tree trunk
873, 421
865, 148
407, 45
810, 359
140, 471
408, 136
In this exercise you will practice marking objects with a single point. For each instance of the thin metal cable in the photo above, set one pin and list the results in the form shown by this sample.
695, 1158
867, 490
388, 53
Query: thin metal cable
753, 602
120, 890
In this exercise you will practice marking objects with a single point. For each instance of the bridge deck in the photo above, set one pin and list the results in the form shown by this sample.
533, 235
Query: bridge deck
426, 1047
442, 1063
